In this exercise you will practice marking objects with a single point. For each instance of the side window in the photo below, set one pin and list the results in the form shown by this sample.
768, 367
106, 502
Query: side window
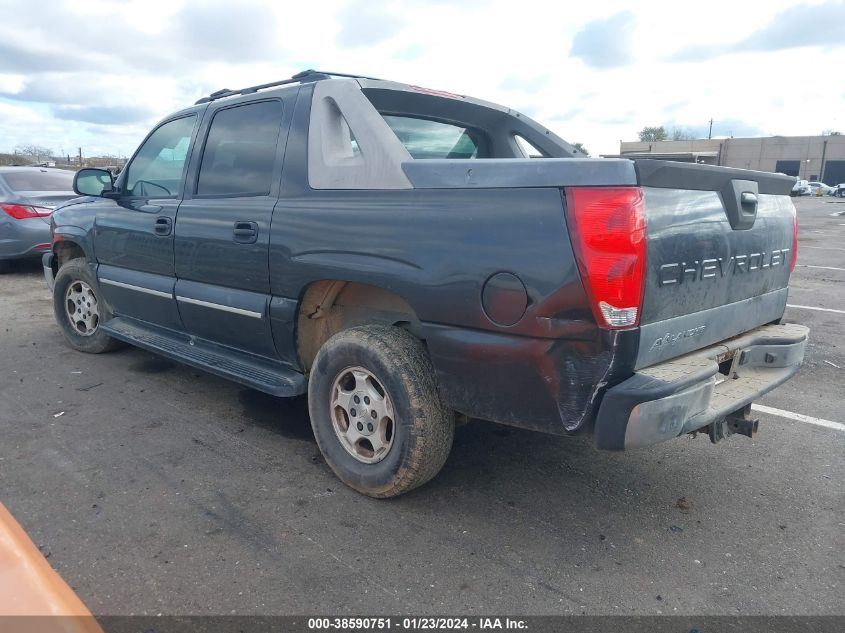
157, 168
240, 150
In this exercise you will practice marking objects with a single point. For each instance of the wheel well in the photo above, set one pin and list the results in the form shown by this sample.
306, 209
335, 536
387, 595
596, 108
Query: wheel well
66, 251
329, 306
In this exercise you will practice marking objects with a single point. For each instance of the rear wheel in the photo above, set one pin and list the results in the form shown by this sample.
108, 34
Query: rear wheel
376, 412
78, 309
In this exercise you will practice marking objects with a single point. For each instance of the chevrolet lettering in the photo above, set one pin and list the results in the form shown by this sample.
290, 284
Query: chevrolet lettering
716, 268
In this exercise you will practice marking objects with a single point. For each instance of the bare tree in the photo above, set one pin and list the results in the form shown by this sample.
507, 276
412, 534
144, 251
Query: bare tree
35, 152
682, 134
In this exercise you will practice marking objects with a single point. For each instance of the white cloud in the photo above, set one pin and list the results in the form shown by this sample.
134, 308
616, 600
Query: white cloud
11, 83
98, 74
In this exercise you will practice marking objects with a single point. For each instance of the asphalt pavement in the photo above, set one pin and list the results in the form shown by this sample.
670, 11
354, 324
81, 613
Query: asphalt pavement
155, 488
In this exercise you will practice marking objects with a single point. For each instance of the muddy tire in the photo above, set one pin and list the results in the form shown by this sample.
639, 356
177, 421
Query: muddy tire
78, 310
376, 412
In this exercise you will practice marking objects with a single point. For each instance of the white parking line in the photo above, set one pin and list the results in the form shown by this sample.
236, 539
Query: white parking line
799, 417
822, 248
821, 267
790, 305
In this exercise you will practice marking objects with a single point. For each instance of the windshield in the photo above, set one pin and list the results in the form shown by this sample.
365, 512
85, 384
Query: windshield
39, 180
424, 138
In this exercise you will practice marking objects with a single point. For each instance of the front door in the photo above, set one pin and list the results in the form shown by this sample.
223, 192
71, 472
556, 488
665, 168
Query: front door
222, 231
133, 233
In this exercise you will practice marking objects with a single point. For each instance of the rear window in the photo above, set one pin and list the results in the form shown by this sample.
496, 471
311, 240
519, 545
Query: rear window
39, 180
425, 138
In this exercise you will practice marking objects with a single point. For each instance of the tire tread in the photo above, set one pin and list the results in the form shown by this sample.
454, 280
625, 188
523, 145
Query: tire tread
432, 423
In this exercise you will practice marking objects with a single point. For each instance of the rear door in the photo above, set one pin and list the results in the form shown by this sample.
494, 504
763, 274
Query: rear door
720, 250
133, 233
223, 228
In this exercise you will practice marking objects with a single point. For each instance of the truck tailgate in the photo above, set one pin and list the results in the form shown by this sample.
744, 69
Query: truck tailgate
719, 255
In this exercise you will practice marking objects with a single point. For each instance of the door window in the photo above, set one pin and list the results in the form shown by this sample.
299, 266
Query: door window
157, 168
240, 151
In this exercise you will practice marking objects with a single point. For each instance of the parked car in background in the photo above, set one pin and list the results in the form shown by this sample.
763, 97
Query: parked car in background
815, 186
838, 190
801, 188
28, 196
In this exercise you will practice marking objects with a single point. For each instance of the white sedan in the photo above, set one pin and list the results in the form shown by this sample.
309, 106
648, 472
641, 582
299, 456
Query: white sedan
816, 185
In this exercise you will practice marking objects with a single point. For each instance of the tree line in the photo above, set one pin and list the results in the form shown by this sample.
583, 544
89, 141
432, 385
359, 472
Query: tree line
652, 133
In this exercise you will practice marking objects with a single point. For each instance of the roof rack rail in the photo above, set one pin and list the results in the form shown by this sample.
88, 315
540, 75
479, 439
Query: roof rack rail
301, 77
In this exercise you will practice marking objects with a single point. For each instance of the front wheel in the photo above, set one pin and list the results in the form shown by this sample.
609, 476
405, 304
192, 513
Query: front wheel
78, 309
376, 412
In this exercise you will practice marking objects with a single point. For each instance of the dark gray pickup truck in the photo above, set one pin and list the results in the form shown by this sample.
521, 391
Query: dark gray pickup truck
410, 258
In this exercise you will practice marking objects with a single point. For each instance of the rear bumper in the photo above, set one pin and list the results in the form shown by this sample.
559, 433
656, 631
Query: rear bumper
687, 393
24, 238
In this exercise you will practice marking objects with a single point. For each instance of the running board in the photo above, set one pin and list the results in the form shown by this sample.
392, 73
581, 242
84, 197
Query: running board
264, 375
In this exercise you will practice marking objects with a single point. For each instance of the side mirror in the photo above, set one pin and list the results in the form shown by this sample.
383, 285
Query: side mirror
93, 182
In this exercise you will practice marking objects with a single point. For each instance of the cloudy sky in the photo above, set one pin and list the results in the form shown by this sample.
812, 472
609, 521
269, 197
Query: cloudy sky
99, 73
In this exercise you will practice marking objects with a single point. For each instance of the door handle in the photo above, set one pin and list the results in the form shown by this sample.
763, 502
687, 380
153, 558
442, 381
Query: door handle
163, 226
245, 232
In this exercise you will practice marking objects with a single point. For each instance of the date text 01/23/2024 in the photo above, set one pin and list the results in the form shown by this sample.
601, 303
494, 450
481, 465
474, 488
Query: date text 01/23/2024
416, 624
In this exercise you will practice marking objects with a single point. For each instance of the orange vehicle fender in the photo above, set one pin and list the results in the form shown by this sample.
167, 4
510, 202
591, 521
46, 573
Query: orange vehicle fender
30, 587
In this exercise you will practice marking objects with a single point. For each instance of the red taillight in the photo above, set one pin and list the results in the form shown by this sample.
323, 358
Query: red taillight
608, 230
22, 212
794, 238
